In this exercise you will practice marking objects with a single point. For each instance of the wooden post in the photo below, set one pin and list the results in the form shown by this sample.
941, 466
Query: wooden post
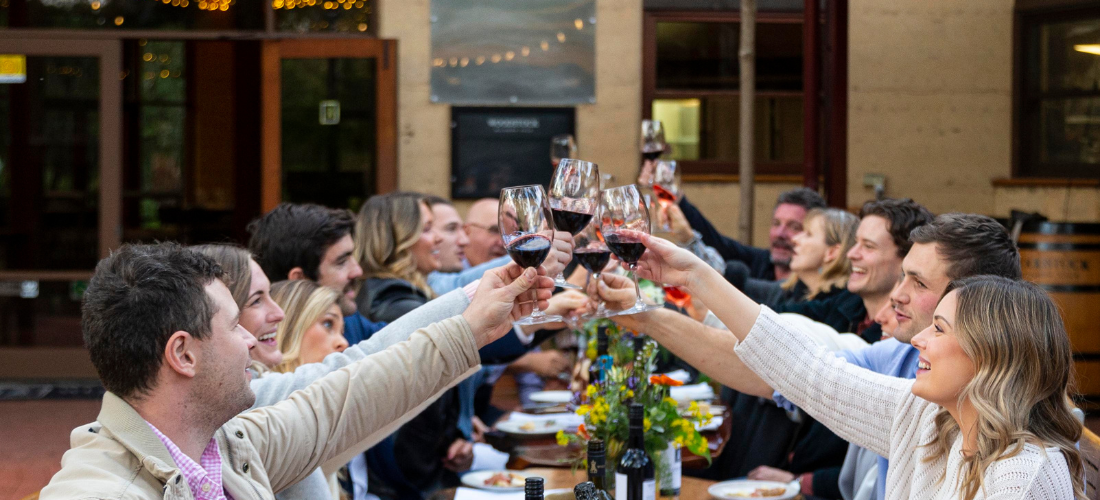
747, 56
811, 92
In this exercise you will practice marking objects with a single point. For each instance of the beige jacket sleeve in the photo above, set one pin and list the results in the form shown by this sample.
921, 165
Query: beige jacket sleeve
357, 402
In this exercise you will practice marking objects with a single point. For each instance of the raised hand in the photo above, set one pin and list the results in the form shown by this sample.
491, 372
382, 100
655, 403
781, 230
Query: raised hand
560, 253
503, 296
664, 262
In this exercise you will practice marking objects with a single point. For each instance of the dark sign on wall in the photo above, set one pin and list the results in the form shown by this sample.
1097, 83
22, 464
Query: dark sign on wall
493, 148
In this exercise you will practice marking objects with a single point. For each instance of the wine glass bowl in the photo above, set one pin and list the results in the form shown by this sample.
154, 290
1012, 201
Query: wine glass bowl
624, 217
574, 196
592, 253
525, 227
666, 189
561, 147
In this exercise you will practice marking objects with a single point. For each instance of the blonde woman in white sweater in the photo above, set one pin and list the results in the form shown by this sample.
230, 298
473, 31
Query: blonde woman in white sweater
988, 416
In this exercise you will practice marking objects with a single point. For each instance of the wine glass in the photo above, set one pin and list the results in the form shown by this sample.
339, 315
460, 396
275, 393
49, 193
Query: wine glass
574, 196
653, 146
524, 221
666, 189
623, 216
591, 252
561, 147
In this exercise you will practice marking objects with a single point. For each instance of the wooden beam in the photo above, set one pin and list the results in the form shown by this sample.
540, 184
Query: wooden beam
811, 92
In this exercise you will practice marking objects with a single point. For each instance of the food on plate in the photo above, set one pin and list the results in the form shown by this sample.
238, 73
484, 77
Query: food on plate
758, 493
505, 480
531, 426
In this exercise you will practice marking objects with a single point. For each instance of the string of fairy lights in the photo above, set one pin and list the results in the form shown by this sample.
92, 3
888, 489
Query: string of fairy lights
507, 55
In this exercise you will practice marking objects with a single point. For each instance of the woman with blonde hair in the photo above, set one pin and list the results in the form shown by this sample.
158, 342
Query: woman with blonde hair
988, 416
820, 258
314, 324
397, 246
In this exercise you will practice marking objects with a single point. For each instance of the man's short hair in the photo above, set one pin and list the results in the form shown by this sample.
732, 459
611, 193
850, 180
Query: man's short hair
433, 200
296, 235
972, 245
804, 197
138, 297
903, 214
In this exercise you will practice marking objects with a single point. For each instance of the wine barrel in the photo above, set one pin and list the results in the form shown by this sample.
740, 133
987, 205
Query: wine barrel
1064, 259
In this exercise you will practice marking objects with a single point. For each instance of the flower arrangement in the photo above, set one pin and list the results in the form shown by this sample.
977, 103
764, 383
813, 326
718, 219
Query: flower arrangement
630, 378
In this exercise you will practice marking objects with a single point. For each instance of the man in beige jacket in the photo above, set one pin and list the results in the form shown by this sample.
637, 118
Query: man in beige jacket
162, 331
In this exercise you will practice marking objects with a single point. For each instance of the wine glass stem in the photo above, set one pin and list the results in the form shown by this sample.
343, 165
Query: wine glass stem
602, 309
637, 290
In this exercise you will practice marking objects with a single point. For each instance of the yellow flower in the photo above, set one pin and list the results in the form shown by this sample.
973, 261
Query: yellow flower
562, 439
583, 410
628, 394
645, 424
670, 401
679, 440
591, 392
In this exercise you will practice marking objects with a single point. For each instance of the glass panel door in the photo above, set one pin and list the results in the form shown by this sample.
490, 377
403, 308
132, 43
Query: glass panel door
329, 121
59, 186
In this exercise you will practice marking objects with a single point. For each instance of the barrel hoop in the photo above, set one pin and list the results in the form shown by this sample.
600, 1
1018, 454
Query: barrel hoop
1070, 288
1059, 247
1086, 356
1061, 228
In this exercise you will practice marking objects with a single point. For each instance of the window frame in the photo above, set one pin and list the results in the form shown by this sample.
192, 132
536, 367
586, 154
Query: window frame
1023, 144
709, 169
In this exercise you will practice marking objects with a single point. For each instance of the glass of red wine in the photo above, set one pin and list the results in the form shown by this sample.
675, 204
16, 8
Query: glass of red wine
561, 147
528, 235
574, 196
666, 189
623, 219
653, 146
591, 252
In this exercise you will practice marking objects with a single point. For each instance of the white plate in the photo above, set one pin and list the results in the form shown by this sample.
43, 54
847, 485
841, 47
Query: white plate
552, 397
727, 489
540, 428
477, 480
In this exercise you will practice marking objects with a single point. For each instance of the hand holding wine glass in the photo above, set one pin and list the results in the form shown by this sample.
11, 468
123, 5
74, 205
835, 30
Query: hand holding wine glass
666, 263
574, 196
524, 220
624, 220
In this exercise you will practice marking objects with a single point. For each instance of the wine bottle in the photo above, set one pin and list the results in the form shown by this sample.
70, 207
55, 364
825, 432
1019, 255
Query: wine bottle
634, 478
673, 467
603, 361
586, 491
532, 488
597, 468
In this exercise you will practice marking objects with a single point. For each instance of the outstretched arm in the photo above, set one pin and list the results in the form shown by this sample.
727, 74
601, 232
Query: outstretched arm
857, 404
687, 338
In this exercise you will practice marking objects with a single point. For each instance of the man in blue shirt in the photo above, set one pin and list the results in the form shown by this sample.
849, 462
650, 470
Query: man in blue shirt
306, 241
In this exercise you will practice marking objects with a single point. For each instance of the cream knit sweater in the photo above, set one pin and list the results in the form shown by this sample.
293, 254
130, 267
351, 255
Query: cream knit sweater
881, 413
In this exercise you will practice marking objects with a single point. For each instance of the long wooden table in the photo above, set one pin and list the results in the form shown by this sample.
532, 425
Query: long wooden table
690, 488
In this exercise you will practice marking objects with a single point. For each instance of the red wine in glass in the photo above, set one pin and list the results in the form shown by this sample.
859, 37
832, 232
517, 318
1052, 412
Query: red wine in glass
663, 194
568, 220
529, 250
594, 260
652, 155
628, 248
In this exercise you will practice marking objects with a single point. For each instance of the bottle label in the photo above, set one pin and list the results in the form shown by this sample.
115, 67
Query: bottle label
649, 488
673, 467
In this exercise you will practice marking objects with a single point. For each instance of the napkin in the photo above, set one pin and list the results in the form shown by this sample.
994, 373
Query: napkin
680, 375
565, 419
714, 424
487, 457
696, 392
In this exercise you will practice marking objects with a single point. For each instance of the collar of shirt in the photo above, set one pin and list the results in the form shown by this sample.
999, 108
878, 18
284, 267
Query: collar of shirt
204, 478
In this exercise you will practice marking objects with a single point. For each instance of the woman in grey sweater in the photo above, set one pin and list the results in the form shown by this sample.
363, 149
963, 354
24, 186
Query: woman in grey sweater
260, 316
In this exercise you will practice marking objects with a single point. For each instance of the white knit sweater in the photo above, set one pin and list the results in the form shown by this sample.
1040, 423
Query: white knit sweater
881, 413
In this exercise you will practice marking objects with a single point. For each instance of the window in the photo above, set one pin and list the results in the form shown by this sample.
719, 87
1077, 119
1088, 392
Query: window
692, 81
1058, 114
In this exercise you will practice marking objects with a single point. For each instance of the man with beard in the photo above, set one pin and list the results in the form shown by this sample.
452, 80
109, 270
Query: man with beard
306, 241
163, 332
771, 263
456, 271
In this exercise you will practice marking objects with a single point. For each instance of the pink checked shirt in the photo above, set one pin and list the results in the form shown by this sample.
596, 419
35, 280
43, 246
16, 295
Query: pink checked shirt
205, 477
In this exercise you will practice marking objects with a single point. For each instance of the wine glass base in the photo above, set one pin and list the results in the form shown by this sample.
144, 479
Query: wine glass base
637, 309
539, 320
561, 283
